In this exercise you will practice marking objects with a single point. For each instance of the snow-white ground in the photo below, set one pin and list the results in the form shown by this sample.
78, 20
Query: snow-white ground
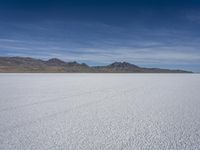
99, 111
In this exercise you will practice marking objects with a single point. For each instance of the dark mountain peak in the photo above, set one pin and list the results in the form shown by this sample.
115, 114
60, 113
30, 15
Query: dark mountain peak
73, 63
76, 64
84, 64
122, 65
55, 62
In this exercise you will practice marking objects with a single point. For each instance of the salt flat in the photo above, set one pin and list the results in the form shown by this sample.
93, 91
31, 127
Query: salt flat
99, 111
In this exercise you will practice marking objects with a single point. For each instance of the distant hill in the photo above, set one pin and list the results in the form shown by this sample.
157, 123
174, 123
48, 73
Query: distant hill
54, 65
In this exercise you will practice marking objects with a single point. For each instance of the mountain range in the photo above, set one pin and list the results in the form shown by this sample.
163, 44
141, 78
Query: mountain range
55, 65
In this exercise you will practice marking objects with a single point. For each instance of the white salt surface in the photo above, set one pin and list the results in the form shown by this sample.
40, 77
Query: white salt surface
99, 111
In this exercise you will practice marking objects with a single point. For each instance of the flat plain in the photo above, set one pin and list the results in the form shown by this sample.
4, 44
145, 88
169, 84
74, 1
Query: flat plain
99, 111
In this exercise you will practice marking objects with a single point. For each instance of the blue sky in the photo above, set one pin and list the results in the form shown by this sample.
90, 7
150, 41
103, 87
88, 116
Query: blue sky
150, 33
